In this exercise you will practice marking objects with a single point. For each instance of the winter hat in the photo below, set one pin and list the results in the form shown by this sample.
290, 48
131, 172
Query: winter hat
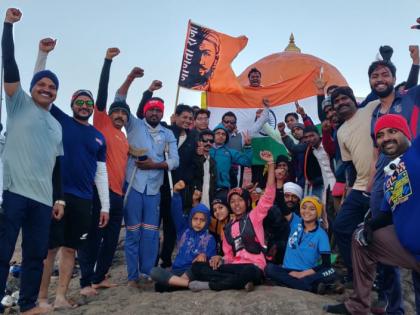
220, 126
81, 93
298, 125
316, 202
393, 121
153, 103
326, 102
44, 74
294, 189
119, 106
243, 193
344, 90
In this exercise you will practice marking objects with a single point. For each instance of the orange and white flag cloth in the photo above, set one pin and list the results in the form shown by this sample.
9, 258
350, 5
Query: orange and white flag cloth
207, 58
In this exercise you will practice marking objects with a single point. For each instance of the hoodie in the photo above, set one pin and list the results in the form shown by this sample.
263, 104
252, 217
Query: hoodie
190, 243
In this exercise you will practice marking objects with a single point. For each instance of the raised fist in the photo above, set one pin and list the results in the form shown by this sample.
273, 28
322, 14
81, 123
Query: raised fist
266, 102
47, 44
266, 156
155, 85
136, 73
13, 15
320, 83
414, 53
112, 52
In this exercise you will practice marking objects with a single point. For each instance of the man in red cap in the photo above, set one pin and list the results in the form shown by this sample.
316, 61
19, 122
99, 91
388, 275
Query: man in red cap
392, 236
141, 212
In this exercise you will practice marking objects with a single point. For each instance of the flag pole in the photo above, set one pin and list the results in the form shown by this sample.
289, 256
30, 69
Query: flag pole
176, 98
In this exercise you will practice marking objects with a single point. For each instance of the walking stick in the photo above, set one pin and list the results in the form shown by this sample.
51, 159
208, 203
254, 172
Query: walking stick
171, 183
135, 153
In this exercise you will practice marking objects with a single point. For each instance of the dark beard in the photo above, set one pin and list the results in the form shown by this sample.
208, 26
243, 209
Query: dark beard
385, 93
83, 118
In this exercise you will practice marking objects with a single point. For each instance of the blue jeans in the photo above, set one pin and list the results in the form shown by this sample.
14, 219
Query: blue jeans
141, 216
281, 276
99, 249
34, 218
351, 213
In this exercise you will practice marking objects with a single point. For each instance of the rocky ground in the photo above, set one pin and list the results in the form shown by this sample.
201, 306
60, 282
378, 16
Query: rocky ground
264, 300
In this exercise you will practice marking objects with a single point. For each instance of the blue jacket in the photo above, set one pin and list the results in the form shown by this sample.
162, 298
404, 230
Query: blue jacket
190, 242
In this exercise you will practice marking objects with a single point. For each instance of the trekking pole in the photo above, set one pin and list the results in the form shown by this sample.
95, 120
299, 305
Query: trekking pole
171, 183
135, 153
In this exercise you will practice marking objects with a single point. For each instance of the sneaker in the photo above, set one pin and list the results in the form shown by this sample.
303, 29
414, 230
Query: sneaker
7, 301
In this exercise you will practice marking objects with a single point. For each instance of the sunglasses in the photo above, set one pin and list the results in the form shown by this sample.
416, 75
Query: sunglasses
89, 103
230, 122
207, 140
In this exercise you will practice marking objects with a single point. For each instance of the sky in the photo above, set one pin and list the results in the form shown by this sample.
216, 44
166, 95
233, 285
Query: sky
151, 34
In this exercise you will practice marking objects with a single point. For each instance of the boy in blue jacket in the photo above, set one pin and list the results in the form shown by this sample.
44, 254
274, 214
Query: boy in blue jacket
195, 243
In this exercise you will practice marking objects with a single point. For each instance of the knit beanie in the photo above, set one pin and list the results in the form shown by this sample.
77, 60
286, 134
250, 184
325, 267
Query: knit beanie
316, 202
44, 74
81, 93
393, 121
119, 106
326, 102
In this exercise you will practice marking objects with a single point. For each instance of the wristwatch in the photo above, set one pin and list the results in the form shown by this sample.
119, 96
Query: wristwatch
60, 202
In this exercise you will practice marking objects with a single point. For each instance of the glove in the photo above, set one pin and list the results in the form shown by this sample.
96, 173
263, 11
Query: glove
364, 235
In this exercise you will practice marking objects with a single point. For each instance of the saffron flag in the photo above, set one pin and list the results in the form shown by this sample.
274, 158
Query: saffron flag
281, 96
207, 58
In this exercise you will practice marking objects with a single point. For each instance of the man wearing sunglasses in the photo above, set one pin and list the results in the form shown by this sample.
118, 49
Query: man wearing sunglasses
83, 167
204, 170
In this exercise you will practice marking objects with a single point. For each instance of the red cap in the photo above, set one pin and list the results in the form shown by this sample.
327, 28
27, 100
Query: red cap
393, 121
151, 104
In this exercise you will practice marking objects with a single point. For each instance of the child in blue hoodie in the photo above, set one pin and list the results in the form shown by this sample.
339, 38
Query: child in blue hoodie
195, 243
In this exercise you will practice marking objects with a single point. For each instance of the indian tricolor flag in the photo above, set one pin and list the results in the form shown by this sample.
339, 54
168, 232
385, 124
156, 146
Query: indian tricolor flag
282, 97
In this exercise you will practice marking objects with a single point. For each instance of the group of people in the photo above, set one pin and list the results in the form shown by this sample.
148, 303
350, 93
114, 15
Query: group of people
349, 185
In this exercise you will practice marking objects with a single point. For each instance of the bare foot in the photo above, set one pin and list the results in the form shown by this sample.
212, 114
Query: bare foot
133, 284
44, 304
63, 304
88, 291
37, 310
105, 284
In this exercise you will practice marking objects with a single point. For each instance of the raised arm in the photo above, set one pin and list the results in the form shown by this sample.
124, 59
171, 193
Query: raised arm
147, 95
267, 200
413, 76
11, 71
320, 86
45, 46
262, 119
288, 142
121, 94
104, 79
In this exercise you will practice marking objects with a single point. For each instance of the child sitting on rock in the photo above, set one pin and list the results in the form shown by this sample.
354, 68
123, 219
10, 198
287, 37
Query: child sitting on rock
195, 243
243, 263
308, 243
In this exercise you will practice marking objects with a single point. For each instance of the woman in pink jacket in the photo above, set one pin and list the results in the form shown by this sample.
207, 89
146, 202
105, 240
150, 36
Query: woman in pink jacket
243, 262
